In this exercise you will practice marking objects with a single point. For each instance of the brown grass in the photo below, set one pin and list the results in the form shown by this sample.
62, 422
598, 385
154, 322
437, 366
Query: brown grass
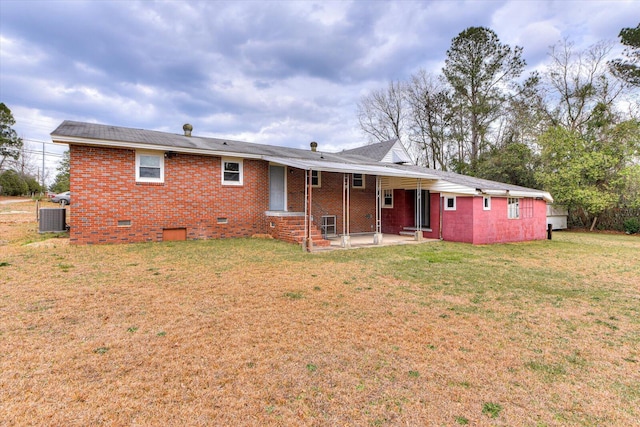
254, 332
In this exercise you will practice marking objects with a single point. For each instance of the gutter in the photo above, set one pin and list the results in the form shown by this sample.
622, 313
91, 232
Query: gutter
149, 147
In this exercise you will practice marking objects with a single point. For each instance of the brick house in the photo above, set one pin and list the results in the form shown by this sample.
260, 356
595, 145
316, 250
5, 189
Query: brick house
133, 185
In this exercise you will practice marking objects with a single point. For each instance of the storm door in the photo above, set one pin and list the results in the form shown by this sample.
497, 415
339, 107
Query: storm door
277, 199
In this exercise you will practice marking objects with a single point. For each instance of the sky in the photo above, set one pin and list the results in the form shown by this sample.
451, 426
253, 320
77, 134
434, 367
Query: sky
273, 72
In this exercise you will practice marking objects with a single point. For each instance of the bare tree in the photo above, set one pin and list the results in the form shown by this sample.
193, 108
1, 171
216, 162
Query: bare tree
428, 101
576, 82
382, 114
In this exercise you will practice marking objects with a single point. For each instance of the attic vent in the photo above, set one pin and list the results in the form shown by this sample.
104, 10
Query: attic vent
314, 146
187, 128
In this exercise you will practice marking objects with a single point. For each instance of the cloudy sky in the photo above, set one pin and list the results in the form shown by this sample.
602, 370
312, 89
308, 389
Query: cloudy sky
273, 72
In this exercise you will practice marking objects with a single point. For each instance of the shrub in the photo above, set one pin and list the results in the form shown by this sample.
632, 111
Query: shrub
12, 184
631, 226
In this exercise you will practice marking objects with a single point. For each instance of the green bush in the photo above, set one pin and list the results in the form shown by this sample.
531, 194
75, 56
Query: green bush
632, 226
12, 184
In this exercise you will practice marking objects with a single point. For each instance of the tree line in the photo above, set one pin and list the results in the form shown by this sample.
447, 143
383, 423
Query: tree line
571, 128
16, 171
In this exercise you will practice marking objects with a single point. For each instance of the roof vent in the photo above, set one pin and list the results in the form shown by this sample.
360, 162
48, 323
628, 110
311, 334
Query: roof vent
314, 146
187, 128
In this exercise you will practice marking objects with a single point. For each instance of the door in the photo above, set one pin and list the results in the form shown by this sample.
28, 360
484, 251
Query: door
425, 208
277, 198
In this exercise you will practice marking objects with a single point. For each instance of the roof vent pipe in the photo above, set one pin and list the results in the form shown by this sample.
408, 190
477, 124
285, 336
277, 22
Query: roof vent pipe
314, 146
187, 128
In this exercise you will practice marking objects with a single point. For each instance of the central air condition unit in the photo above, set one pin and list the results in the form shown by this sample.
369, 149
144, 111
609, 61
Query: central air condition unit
53, 220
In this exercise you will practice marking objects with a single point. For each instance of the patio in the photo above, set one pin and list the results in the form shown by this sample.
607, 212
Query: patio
366, 241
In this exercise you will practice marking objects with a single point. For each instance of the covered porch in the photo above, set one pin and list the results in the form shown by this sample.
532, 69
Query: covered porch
333, 204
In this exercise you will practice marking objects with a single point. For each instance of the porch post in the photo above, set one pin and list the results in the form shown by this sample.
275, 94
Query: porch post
418, 235
308, 243
377, 237
346, 238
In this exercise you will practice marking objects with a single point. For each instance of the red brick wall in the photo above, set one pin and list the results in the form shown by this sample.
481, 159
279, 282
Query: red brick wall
403, 214
327, 200
105, 191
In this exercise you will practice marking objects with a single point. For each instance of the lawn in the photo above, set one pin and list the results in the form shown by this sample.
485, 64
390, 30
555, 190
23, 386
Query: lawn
255, 332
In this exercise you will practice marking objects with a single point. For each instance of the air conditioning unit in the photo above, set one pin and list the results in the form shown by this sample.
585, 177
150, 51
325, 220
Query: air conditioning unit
53, 220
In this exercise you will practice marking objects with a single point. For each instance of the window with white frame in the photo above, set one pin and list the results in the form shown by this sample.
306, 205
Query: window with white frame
231, 171
486, 203
357, 180
513, 208
450, 203
387, 198
316, 179
149, 167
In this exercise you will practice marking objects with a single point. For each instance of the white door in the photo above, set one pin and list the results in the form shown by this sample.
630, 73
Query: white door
276, 188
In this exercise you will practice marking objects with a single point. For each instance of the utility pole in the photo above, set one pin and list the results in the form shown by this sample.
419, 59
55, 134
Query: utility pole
43, 189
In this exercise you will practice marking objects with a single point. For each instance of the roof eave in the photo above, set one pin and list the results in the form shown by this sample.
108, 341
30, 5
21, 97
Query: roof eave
70, 140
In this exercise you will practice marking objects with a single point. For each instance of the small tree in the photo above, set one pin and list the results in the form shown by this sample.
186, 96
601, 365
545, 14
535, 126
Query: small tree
586, 172
10, 144
62, 181
12, 184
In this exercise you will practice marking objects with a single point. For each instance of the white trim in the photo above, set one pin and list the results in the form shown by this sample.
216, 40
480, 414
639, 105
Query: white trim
486, 203
319, 184
513, 208
240, 171
146, 153
446, 203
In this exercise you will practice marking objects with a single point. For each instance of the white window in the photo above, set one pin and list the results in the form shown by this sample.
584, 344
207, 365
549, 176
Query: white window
315, 179
387, 199
149, 167
486, 203
357, 180
513, 208
450, 203
231, 171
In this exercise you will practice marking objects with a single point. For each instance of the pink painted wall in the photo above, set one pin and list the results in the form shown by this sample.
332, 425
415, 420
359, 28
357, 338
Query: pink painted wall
457, 226
494, 226
470, 223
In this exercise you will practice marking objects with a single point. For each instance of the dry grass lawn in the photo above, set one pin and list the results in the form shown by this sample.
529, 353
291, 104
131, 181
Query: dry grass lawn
254, 332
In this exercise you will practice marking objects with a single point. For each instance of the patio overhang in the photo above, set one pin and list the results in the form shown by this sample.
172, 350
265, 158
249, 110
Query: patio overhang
367, 169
